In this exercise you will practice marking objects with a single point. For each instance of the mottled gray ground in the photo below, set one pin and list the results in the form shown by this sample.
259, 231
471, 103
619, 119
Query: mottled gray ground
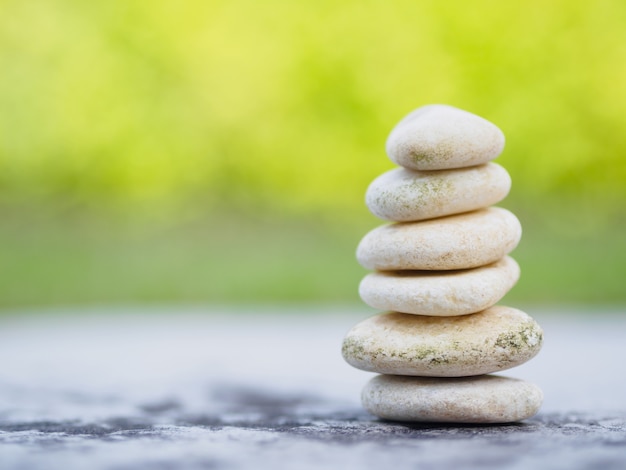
209, 388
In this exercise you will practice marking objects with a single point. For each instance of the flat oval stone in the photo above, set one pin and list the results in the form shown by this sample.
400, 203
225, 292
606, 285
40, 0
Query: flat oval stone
405, 195
484, 399
440, 293
480, 343
460, 241
440, 137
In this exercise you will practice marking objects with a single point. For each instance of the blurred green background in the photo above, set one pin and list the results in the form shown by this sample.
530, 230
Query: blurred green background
219, 151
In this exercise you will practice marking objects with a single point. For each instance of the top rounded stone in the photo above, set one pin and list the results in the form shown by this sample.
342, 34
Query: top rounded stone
440, 137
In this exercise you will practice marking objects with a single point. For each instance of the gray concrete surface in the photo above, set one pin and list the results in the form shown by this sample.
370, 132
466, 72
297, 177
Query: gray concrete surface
217, 388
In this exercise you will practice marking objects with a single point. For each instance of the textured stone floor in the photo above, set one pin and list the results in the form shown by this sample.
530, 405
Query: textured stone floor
218, 388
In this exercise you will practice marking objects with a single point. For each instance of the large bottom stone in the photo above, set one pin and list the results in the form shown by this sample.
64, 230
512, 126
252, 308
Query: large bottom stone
483, 399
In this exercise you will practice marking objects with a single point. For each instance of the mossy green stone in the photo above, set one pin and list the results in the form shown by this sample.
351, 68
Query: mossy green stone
495, 339
403, 195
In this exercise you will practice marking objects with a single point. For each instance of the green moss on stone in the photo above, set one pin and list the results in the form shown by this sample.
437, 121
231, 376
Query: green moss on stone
525, 338
421, 158
353, 349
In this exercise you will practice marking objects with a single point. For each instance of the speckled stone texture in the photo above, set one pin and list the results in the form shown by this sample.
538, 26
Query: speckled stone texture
459, 241
404, 195
440, 293
217, 388
395, 343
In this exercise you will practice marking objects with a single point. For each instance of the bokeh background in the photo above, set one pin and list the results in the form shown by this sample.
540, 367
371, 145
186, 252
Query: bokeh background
219, 151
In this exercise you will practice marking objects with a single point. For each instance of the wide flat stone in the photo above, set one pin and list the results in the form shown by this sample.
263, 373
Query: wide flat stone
440, 293
460, 241
395, 343
121, 389
484, 399
403, 195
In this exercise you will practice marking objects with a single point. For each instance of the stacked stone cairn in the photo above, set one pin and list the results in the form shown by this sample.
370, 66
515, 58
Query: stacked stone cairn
440, 268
